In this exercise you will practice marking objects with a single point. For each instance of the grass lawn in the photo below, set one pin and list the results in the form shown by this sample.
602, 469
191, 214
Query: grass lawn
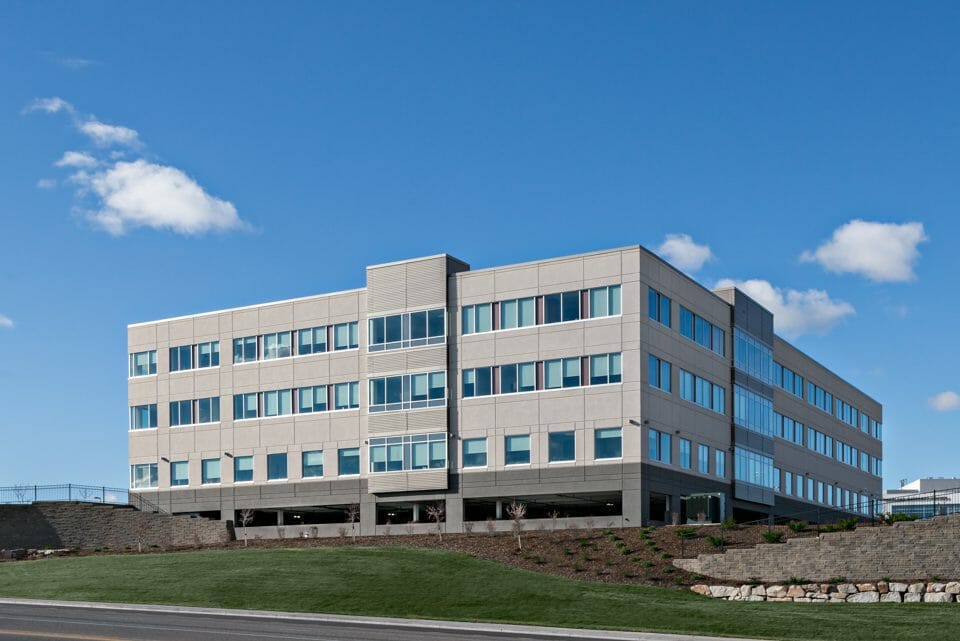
435, 584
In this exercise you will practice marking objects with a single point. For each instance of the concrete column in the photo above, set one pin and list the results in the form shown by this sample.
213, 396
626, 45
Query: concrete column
632, 507
368, 516
279, 517
499, 510
416, 512
454, 514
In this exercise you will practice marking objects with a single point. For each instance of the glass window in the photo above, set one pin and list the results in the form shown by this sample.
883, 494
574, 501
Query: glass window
143, 475
608, 443
348, 461
181, 358
703, 459
278, 403
276, 345
418, 328
517, 450
658, 307
660, 446
346, 336
527, 373
508, 314
179, 473
312, 340
508, 379
210, 471
245, 349
685, 453
437, 324
245, 406
411, 329
208, 354
312, 464
599, 304
277, 467
181, 413
527, 312
571, 372
553, 374
313, 399
552, 308
659, 373
143, 417
242, 469
410, 452
477, 382
561, 446
143, 363
474, 452
720, 463
604, 368
408, 391
571, 306
346, 396
477, 318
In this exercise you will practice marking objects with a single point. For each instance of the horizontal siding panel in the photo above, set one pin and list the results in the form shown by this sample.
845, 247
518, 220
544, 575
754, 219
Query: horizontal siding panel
392, 422
387, 362
428, 358
427, 283
386, 288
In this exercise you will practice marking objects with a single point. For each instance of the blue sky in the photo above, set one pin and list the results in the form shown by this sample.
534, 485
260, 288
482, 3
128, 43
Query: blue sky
236, 153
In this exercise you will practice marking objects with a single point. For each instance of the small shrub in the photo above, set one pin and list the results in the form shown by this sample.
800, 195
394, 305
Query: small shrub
753, 580
584, 543
716, 541
586, 557
621, 544
666, 555
886, 578
890, 519
626, 551
772, 537
655, 548
577, 567
599, 571
667, 570
678, 581
796, 581
539, 560
837, 579
595, 547
648, 564
567, 552
728, 524
606, 531
797, 526
935, 578
686, 532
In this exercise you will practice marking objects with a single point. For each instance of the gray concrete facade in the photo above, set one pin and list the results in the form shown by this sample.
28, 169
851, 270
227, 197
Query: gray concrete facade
628, 490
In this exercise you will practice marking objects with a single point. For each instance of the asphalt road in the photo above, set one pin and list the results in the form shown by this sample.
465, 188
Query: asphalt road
31, 622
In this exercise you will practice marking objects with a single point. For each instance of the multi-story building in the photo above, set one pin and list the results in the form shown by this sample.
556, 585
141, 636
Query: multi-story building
924, 498
607, 387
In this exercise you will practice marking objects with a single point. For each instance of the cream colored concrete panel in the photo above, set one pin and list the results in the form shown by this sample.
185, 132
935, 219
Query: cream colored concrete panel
310, 313
246, 378
477, 414
345, 427
605, 406
274, 316
142, 388
206, 328
181, 331
476, 288
566, 340
514, 410
143, 445
207, 383
276, 432
181, 386
559, 407
507, 282
182, 442
245, 435
142, 338
226, 330
344, 307
278, 375
603, 266
309, 429
246, 323
344, 367
311, 370
602, 336
630, 261
163, 334
561, 274
208, 440
517, 346
477, 351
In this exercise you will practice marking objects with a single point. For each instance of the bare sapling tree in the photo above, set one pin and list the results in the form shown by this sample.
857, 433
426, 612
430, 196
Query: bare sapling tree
141, 528
246, 518
554, 517
353, 515
435, 513
517, 512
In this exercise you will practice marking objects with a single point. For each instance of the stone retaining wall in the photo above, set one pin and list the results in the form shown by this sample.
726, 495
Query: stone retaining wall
98, 525
910, 550
879, 592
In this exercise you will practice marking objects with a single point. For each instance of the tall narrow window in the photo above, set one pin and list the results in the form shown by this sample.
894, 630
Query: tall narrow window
685, 453
210, 471
703, 459
658, 307
508, 314
277, 467
659, 373
243, 469
179, 473
346, 336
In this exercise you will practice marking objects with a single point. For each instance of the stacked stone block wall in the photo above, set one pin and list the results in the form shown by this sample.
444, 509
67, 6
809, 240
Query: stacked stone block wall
97, 525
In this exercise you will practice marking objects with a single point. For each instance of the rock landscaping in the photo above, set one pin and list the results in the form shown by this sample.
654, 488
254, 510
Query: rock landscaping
878, 592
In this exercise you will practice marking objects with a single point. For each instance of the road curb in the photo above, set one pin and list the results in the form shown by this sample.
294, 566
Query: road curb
422, 624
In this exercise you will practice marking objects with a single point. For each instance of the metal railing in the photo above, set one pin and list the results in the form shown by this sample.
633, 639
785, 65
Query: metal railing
25, 494
924, 505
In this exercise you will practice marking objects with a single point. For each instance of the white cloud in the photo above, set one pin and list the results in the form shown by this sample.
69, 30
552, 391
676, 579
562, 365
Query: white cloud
945, 401
5, 322
795, 312
105, 135
883, 252
75, 63
46, 183
49, 105
76, 159
143, 194
683, 253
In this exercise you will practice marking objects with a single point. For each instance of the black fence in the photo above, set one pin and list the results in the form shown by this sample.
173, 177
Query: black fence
924, 505
26, 494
